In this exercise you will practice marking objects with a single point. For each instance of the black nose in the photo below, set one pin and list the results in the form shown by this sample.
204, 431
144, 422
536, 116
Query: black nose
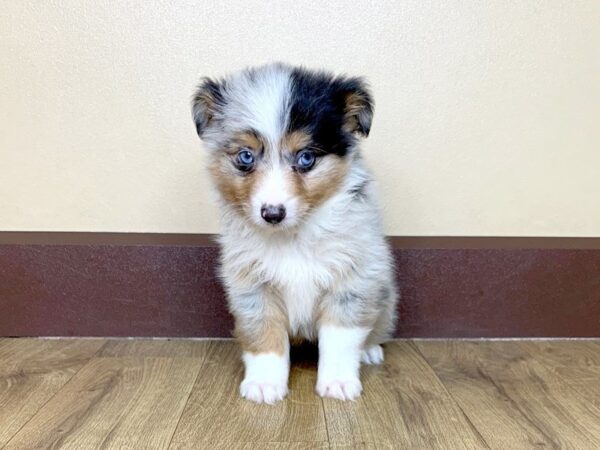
273, 213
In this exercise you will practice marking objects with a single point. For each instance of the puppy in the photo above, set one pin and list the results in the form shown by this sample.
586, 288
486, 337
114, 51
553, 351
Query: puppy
303, 248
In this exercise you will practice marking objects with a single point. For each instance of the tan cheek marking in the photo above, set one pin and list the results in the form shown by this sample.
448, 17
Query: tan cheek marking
235, 188
314, 187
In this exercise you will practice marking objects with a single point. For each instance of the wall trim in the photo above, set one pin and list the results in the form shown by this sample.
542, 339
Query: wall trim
165, 285
209, 240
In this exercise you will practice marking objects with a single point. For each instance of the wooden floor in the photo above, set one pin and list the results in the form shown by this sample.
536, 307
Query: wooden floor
146, 394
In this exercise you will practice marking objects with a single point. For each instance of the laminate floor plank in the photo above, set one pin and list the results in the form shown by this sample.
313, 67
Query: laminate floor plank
576, 362
156, 348
215, 414
512, 399
32, 371
125, 402
268, 446
157, 393
403, 405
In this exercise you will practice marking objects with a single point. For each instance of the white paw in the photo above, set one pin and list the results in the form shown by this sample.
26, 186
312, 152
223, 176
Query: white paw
339, 361
265, 380
349, 389
269, 393
372, 355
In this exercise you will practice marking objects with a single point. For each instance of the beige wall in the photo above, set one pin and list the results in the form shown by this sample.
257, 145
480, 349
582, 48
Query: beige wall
487, 118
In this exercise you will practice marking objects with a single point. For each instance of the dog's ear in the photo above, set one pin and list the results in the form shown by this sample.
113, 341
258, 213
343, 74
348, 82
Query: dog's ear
206, 103
358, 106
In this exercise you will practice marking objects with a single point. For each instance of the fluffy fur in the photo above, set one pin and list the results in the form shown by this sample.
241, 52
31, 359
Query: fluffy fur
303, 249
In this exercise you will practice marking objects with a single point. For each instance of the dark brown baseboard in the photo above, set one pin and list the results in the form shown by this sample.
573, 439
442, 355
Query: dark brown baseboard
124, 284
208, 240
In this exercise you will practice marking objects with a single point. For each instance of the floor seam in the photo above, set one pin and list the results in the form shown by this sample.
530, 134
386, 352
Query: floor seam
456, 403
188, 398
326, 424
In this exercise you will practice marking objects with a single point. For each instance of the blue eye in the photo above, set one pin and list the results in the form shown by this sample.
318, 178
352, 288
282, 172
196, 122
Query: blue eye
305, 160
245, 160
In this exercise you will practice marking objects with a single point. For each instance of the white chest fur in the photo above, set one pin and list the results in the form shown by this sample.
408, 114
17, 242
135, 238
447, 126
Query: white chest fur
301, 269
301, 275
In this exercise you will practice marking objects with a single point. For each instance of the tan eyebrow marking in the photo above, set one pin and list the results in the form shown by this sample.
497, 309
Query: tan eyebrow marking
248, 139
296, 140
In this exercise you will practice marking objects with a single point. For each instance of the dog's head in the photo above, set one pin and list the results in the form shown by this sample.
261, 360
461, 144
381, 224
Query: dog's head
281, 139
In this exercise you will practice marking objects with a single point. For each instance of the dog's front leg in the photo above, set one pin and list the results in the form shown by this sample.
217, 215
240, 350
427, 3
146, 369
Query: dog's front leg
345, 324
261, 328
340, 350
